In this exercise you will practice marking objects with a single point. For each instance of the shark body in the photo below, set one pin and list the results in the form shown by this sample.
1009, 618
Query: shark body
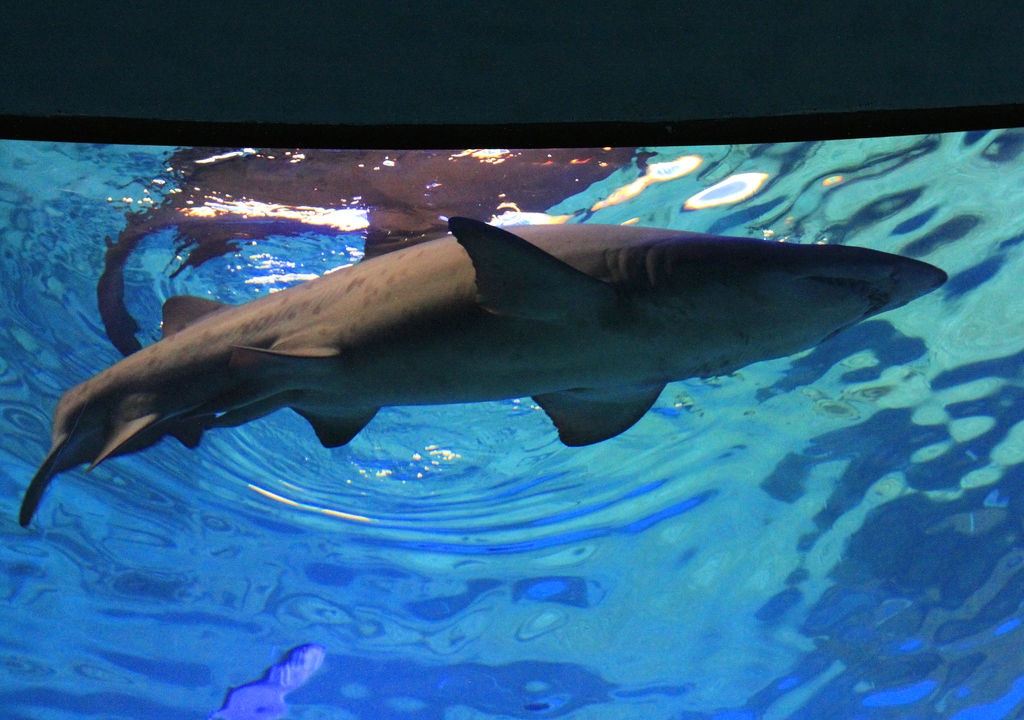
591, 321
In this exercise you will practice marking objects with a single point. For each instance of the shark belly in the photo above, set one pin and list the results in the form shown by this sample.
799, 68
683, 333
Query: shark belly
484, 359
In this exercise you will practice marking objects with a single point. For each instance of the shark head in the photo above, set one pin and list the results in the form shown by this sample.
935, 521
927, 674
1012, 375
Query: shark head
883, 280
757, 300
831, 287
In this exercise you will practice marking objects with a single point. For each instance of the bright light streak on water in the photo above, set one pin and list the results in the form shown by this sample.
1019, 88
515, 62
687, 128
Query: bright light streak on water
731, 190
656, 172
344, 219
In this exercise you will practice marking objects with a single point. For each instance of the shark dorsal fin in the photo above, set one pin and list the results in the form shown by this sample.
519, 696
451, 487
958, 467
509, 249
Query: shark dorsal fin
517, 278
588, 416
181, 311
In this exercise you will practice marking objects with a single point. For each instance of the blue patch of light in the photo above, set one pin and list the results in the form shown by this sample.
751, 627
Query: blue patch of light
900, 696
786, 683
995, 710
546, 588
1007, 626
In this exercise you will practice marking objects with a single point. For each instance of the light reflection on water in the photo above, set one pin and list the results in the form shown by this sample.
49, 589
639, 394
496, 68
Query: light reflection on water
831, 535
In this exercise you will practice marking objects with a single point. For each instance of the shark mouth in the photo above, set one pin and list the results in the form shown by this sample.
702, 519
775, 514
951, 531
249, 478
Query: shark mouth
876, 297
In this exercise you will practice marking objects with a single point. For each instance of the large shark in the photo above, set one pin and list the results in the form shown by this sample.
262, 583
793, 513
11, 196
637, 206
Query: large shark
590, 320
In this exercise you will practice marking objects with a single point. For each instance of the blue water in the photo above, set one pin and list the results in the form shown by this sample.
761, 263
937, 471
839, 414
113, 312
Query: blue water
832, 535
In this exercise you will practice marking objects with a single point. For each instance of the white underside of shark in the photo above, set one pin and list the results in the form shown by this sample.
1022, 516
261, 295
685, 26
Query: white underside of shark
591, 321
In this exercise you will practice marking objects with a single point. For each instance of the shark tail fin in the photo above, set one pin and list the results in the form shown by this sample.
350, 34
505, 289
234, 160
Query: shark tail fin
181, 311
36, 488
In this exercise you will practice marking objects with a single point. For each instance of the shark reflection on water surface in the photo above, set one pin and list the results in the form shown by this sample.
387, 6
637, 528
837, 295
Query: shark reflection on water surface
590, 320
263, 699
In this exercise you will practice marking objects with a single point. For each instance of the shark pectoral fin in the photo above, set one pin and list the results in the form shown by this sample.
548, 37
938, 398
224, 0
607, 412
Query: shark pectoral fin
248, 356
591, 415
516, 278
335, 430
181, 311
45, 473
124, 434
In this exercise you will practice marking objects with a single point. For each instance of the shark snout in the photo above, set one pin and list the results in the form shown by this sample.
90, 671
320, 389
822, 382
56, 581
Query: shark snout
885, 280
912, 279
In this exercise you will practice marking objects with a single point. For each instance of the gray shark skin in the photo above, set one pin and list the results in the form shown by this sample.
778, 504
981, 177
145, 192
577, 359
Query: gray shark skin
590, 320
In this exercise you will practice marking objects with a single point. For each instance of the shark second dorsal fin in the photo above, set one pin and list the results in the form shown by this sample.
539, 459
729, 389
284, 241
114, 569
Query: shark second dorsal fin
335, 430
516, 278
181, 311
591, 415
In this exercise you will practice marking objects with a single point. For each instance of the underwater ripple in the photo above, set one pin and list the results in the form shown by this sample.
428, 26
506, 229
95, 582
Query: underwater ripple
473, 501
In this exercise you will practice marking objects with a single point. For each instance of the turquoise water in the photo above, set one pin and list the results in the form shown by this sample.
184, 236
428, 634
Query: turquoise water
832, 535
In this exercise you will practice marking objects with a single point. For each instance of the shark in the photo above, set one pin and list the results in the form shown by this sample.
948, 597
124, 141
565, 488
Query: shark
591, 321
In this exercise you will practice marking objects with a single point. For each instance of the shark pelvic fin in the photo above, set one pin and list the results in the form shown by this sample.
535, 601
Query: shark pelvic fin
516, 278
123, 435
181, 311
335, 430
45, 473
188, 435
588, 416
